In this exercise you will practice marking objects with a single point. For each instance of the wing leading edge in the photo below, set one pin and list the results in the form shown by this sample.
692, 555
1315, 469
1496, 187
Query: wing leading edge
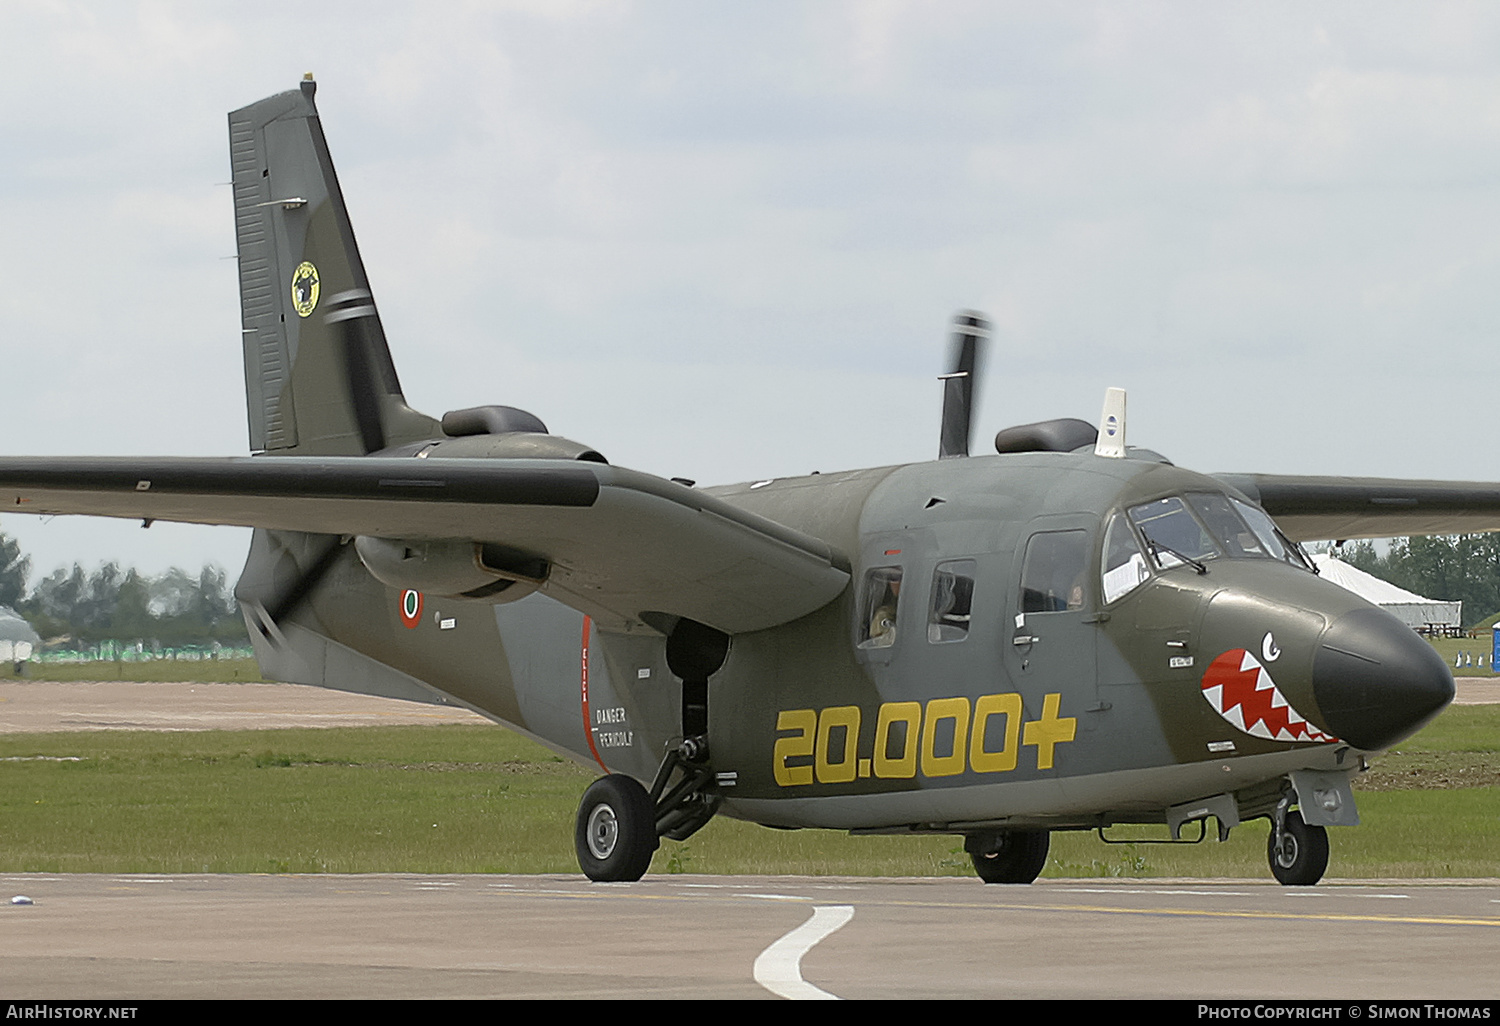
619, 542
1329, 508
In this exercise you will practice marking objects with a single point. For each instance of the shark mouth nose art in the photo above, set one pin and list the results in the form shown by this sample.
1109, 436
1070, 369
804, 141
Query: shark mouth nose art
1241, 690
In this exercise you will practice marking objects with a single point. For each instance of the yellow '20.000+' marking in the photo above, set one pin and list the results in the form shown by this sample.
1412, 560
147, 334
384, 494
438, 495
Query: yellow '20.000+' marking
912, 737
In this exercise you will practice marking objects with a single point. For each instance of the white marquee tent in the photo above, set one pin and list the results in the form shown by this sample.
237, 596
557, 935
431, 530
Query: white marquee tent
1413, 610
17, 639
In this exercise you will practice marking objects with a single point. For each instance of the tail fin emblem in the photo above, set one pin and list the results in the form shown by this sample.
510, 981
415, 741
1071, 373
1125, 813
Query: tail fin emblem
305, 288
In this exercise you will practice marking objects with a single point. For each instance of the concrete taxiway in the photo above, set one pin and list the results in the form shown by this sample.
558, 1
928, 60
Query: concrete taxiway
30, 706
401, 936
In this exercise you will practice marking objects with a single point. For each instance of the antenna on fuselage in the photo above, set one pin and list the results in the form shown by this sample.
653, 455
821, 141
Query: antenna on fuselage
1112, 425
970, 330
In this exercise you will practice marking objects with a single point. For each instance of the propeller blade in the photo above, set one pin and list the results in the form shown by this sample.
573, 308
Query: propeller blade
351, 315
969, 333
272, 605
303, 584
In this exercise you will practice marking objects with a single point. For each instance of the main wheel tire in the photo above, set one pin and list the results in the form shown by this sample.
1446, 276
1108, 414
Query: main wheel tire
615, 835
1302, 856
1017, 858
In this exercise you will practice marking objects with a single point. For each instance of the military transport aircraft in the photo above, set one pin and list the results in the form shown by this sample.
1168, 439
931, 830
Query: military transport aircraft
1070, 634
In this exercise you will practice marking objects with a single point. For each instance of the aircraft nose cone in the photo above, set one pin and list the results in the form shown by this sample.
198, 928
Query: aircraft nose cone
1377, 681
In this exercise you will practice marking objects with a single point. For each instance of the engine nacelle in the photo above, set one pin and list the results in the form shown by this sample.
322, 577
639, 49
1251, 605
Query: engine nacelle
452, 568
525, 445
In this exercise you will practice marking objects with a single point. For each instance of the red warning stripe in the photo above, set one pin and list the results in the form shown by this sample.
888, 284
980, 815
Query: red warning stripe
588, 727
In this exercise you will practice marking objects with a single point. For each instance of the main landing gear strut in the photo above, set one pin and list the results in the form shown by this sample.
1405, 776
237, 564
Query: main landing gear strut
620, 824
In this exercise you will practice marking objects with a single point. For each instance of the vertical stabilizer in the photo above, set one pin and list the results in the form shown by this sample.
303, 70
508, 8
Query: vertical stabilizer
318, 374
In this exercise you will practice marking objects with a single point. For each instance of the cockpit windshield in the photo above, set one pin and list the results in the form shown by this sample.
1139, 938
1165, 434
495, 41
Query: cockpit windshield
1210, 525
1173, 536
1278, 545
1233, 534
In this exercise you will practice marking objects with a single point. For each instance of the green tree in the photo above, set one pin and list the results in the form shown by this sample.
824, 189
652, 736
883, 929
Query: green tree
131, 618
51, 605
14, 569
173, 609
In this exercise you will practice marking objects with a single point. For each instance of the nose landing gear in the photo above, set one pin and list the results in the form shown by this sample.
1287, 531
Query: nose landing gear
1013, 857
1298, 853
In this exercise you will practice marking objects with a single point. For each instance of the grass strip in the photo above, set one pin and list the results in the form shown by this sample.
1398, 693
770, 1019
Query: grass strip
477, 799
149, 671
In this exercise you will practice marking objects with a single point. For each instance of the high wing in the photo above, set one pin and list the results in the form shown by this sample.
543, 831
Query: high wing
616, 542
1331, 508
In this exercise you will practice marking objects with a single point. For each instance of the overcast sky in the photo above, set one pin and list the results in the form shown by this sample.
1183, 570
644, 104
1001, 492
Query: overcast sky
724, 240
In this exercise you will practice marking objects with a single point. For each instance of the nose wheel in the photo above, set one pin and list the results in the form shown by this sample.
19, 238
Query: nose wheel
1298, 853
1013, 857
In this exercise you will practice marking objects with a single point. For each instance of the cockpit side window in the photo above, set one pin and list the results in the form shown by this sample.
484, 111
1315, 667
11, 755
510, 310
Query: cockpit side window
1172, 534
1053, 576
1123, 566
952, 601
879, 598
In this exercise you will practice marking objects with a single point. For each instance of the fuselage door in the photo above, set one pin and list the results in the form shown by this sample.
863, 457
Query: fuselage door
1053, 612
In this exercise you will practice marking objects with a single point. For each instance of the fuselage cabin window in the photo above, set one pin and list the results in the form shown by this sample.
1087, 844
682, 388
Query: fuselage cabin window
952, 601
879, 599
